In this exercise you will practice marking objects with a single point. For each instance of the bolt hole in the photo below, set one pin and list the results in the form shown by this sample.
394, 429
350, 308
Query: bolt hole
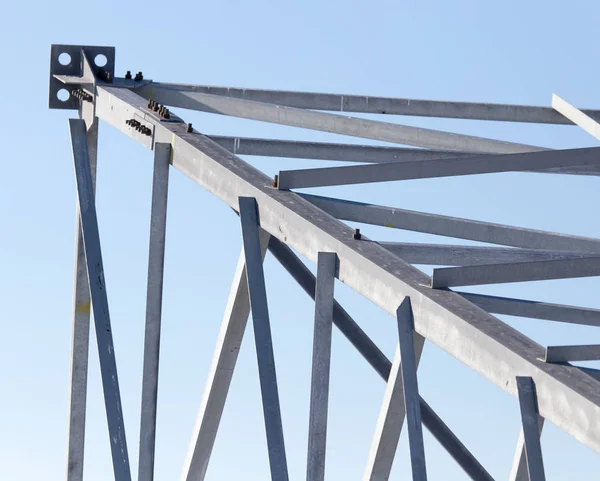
64, 59
100, 60
63, 95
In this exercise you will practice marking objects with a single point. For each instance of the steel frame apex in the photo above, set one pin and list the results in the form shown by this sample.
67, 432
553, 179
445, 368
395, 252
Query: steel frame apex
75, 67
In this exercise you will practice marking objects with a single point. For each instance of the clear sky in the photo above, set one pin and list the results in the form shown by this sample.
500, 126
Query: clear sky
511, 52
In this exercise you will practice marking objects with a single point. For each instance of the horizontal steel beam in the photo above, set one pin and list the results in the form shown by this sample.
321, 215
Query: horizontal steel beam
590, 352
516, 272
456, 255
387, 105
325, 122
452, 226
376, 154
569, 399
576, 116
426, 169
535, 309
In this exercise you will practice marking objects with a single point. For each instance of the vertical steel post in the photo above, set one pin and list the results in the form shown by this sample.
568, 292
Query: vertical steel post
80, 331
262, 337
408, 368
321, 362
519, 467
531, 428
93, 254
156, 261
390, 420
221, 371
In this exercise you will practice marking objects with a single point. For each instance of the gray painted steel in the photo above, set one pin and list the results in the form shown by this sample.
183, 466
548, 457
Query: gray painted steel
531, 434
519, 468
408, 367
106, 350
342, 320
535, 309
477, 339
154, 293
456, 255
382, 365
325, 122
425, 169
391, 419
387, 105
221, 372
80, 330
262, 337
566, 393
582, 119
328, 151
354, 153
516, 272
452, 226
590, 352
321, 363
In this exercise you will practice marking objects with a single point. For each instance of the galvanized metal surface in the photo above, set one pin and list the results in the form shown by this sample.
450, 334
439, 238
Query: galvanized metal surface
477, 339
566, 395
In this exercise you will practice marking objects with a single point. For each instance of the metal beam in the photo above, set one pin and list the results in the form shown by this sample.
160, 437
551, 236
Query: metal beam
408, 367
221, 371
459, 255
382, 365
515, 272
390, 420
452, 226
534, 309
531, 434
93, 254
248, 210
328, 151
321, 362
387, 105
325, 122
342, 320
519, 467
156, 262
80, 330
590, 352
374, 154
568, 399
576, 116
426, 169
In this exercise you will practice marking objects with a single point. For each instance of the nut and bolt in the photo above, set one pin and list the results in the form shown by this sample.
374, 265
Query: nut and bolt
128, 75
357, 235
136, 124
189, 129
138, 76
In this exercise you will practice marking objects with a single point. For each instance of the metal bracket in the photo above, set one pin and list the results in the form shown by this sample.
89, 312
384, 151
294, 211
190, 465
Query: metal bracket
75, 67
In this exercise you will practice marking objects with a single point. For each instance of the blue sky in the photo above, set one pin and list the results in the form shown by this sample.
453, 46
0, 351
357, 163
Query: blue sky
512, 52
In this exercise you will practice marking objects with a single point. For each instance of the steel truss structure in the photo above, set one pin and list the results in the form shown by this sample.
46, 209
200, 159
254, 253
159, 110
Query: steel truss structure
276, 219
